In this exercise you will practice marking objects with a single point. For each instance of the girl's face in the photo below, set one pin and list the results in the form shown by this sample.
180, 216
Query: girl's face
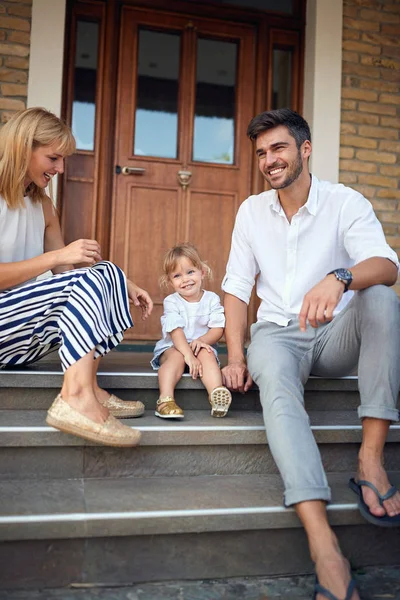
46, 161
187, 280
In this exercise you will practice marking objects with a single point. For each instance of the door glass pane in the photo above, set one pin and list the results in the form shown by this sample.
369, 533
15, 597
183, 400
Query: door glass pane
282, 79
214, 134
282, 6
156, 119
85, 76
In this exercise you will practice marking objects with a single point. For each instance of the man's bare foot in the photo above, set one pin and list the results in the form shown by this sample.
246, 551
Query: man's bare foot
333, 573
374, 472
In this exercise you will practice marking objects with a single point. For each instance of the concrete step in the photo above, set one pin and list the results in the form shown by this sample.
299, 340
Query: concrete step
141, 529
198, 445
36, 387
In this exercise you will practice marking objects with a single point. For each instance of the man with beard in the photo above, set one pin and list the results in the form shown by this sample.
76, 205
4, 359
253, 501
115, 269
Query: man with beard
309, 242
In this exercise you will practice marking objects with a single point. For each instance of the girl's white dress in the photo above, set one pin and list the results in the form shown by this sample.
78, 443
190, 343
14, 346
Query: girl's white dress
195, 318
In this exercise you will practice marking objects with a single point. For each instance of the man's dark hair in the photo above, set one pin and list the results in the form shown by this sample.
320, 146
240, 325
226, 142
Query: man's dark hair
297, 126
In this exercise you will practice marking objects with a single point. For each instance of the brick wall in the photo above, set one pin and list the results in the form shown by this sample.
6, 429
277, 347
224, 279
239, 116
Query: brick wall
370, 123
15, 25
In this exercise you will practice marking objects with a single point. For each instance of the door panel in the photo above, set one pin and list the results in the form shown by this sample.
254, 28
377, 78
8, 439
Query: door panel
185, 97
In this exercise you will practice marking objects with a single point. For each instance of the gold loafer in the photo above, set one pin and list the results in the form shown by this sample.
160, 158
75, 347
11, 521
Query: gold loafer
124, 409
167, 408
110, 433
220, 400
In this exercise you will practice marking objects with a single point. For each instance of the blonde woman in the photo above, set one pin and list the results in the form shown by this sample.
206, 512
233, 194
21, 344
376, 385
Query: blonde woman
84, 311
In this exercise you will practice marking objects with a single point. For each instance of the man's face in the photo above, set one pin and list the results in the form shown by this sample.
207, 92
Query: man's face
279, 159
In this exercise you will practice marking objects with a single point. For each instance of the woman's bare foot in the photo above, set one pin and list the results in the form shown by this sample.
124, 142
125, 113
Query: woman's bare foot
333, 573
373, 471
86, 403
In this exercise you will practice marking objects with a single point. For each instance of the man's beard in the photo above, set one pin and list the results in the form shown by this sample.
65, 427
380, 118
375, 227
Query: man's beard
294, 171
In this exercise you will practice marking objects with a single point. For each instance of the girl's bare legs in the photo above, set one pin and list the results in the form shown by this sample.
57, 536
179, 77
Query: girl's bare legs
78, 390
170, 372
212, 377
101, 395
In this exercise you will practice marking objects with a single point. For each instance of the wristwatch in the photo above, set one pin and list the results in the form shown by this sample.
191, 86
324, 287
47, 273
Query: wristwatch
343, 275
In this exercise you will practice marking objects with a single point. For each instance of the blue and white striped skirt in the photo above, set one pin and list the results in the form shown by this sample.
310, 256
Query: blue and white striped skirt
76, 311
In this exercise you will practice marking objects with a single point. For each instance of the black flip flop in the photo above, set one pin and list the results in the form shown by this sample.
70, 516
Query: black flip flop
319, 589
386, 520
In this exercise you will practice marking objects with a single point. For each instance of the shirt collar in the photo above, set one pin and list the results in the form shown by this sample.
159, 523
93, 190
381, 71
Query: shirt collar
312, 201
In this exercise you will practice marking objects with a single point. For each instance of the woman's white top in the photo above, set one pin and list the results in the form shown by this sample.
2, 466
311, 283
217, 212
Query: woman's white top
195, 318
21, 231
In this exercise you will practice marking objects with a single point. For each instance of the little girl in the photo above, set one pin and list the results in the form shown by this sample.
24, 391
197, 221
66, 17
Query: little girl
192, 322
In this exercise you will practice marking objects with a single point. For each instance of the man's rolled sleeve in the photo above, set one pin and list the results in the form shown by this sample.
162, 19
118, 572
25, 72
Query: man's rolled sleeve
242, 266
363, 234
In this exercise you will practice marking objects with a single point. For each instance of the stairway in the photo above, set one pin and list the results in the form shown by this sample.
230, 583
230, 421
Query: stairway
197, 499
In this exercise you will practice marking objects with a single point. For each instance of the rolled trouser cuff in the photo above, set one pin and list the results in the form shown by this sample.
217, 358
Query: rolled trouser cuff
303, 494
379, 412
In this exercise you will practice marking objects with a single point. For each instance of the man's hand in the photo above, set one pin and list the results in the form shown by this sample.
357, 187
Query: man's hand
140, 299
236, 376
197, 345
320, 302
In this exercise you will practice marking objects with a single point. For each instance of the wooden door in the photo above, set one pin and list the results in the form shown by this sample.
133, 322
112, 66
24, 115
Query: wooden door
183, 163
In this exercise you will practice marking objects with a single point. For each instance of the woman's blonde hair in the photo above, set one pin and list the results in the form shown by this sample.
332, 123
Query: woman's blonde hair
172, 257
24, 132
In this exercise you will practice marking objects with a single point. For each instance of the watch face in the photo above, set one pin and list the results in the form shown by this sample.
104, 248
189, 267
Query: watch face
344, 274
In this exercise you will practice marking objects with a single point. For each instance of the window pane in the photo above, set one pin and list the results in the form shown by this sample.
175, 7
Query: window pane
282, 6
85, 76
282, 79
214, 134
156, 121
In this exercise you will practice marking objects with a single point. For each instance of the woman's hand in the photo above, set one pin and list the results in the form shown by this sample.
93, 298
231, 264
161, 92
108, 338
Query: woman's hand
195, 366
197, 345
84, 252
140, 299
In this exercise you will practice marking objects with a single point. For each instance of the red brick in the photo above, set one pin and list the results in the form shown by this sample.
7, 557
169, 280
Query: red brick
391, 29
356, 117
15, 23
21, 37
390, 122
379, 157
6, 115
377, 132
360, 25
380, 40
362, 48
391, 171
13, 76
11, 104
384, 63
382, 86
378, 180
357, 166
390, 146
20, 10
366, 190
378, 16
389, 99
14, 49
350, 56
351, 34
350, 11
358, 142
394, 8
380, 109
358, 94
13, 89
347, 128
346, 152
360, 70
392, 193
16, 62
391, 217
390, 51
347, 177
349, 104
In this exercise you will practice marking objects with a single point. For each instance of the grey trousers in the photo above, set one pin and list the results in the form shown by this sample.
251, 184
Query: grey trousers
366, 333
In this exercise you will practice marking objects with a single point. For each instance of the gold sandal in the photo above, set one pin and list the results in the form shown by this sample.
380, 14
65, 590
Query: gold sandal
220, 400
167, 408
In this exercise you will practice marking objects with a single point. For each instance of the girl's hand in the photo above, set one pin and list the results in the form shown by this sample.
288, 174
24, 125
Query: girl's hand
140, 299
86, 252
197, 345
195, 366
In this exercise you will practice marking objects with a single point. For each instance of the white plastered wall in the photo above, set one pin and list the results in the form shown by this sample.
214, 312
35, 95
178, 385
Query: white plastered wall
322, 84
322, 77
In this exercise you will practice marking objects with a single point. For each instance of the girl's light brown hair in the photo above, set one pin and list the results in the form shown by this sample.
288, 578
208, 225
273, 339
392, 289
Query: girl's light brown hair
24, 132
174, 254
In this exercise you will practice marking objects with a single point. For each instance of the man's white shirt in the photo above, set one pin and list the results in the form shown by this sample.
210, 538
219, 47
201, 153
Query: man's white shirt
336, 228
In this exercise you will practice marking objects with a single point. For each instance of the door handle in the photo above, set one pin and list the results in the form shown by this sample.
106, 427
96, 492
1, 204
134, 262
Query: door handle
130, 170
